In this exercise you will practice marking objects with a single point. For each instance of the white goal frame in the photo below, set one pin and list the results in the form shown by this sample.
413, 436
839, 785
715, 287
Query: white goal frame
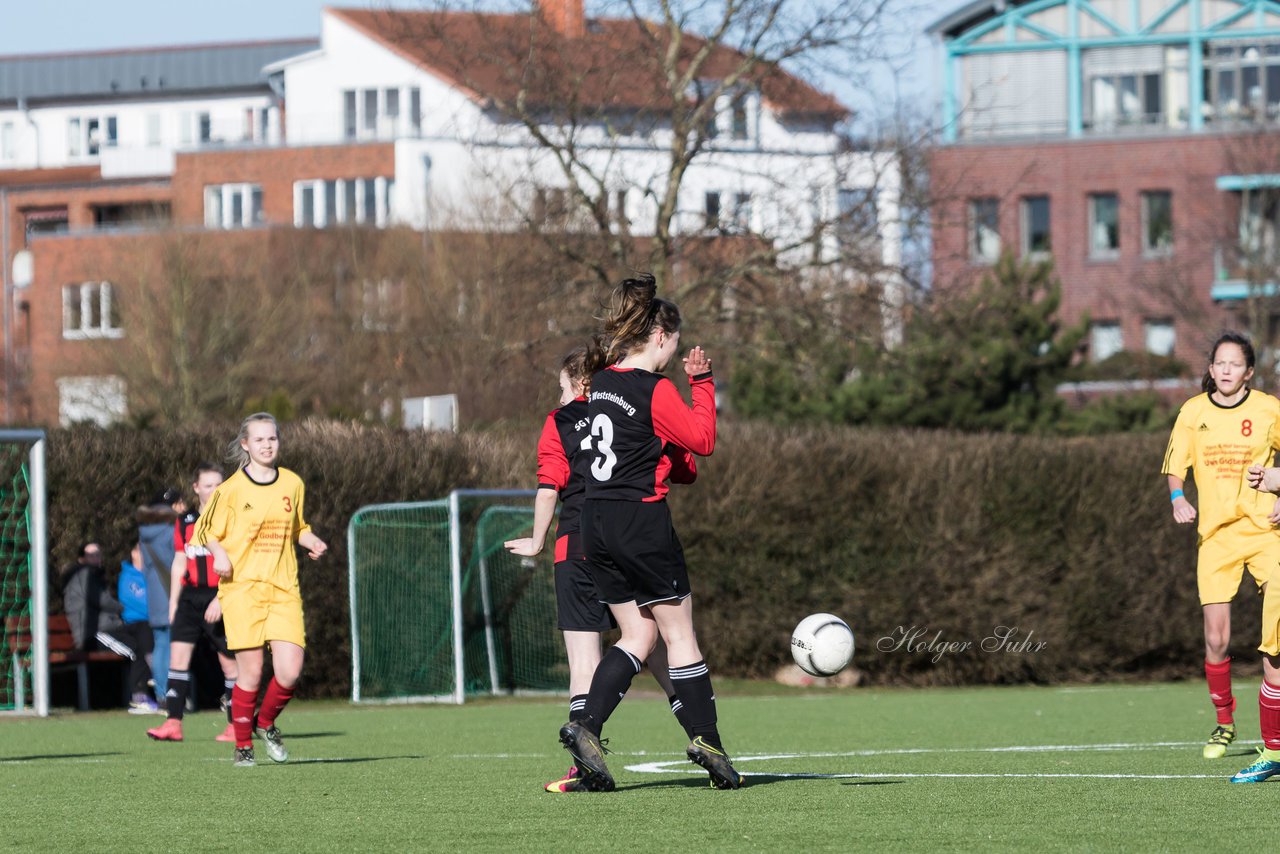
38, 539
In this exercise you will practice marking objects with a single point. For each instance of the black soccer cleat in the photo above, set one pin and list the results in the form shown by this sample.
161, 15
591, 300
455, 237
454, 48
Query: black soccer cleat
723, 775
588, 754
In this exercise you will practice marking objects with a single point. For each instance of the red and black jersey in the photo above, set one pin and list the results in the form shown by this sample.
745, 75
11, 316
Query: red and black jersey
642, 433
199, 561
563, 457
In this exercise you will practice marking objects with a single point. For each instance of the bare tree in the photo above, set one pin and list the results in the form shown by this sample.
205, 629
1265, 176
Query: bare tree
639, 97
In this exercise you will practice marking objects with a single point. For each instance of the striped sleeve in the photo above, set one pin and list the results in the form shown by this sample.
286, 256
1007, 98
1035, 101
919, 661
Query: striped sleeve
216, 519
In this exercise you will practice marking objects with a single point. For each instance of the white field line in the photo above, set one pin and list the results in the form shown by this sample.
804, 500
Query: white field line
904, 751
662, 768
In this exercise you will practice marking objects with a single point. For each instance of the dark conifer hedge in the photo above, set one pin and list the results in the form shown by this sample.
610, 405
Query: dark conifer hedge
927, 543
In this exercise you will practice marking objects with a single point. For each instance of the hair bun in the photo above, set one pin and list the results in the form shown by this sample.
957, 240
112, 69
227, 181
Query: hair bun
642, 288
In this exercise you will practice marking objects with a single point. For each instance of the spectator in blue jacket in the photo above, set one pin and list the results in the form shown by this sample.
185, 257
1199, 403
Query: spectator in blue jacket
131, 590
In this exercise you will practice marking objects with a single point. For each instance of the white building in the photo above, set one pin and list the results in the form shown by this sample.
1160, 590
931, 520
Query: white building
128, 111
437, 84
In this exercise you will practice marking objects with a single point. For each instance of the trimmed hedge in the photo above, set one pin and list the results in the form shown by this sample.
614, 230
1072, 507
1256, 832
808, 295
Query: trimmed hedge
917, 539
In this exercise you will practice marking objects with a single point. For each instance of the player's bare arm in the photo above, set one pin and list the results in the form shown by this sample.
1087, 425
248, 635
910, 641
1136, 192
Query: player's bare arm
314, 545
1183, 511
544, 510
221, 560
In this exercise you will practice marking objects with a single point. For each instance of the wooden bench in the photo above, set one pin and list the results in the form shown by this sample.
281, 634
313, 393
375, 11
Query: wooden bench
63, 655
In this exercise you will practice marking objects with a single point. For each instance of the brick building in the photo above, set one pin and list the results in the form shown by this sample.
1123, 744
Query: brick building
390, 120
1134, 142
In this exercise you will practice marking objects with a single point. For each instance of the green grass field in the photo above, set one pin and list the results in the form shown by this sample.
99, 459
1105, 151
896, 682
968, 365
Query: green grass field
1091, 767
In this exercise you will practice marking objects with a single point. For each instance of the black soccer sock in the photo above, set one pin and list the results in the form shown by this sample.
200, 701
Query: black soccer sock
227, 686
698, 701
577, 707
176, 697
609, 685
677, 709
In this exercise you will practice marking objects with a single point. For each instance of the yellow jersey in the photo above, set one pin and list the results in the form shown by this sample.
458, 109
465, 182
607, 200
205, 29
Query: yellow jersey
1219, 443
257, 524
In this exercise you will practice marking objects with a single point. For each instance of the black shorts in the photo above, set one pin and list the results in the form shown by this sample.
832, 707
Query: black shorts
633, 552
189, 624
578, 605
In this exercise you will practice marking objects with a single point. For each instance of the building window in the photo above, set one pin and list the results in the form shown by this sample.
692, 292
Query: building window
88, 135
8, 140
618, 210
1244, 79
984, 230
232, 205
1104, 225
1117, 100
1035, 226
197, 128
415, 111
391, 98
1160, 336
346, 201
1105, 340
370, 118
381, 305
742, 212
741, 119
48, 221
92, 400
1157, 222
550, 207
859, 219
349, 124
711, 210
88, 311
153, 130
75, 139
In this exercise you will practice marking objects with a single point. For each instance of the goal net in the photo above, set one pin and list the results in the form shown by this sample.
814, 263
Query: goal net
24, 573
440, 610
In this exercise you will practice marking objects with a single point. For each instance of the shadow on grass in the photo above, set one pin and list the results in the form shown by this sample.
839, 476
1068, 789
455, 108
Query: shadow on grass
293, 735
36, 757
751, 781
349, 759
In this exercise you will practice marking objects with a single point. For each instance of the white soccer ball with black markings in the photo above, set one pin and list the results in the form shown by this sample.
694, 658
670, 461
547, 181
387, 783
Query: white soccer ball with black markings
822, 644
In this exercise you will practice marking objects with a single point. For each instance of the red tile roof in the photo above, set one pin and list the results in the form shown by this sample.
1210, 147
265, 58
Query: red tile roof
615, 64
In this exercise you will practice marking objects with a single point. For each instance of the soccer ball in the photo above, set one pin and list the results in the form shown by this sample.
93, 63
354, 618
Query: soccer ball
822, 644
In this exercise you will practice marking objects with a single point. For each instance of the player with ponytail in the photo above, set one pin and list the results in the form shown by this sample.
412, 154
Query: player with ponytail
564, 453
636, 418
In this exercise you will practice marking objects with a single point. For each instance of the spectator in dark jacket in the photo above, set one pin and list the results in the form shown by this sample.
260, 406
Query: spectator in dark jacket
94, 615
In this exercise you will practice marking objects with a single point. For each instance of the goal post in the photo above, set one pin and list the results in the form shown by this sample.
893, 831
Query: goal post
440, 610
24, 571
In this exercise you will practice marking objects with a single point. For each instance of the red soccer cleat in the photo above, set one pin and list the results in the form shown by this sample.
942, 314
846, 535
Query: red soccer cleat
170, 730
228, 734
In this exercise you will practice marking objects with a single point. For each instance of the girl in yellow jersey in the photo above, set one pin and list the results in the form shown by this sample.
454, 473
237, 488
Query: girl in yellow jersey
1219, 435
250, 527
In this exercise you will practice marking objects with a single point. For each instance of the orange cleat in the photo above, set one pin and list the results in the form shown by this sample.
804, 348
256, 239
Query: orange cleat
170, 730
228, 734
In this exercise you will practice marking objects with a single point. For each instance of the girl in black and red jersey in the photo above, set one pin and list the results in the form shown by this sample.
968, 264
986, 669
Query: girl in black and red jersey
194, 611
564, 454
633, 552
